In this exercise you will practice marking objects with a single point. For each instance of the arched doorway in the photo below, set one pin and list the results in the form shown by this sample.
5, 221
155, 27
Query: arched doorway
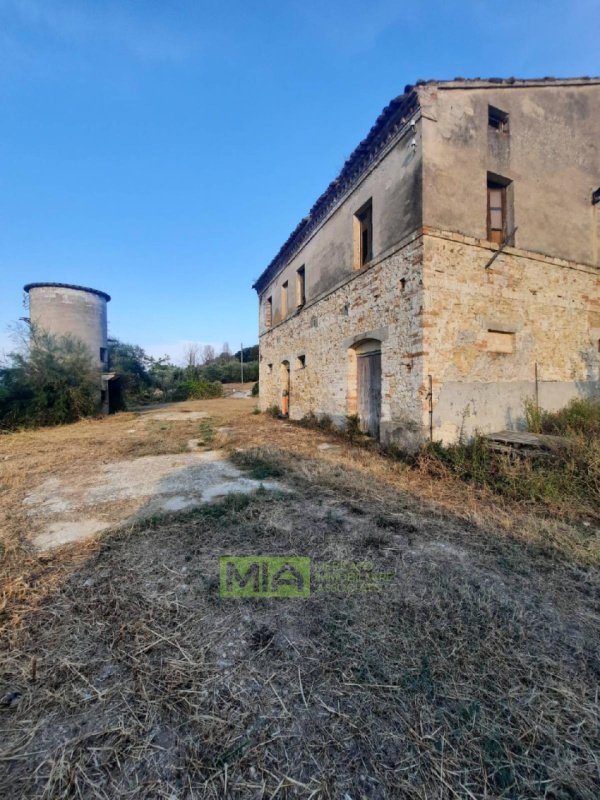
365, 384
284, 379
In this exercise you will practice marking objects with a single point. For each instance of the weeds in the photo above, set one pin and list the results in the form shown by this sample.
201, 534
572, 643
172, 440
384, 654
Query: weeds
258, 467
207, 431
569, 472
353, 427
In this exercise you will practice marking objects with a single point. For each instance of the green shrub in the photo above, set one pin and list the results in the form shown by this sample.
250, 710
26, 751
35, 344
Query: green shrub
568, 472
255, 390
52, 382
580, 416
353, 426
198, 390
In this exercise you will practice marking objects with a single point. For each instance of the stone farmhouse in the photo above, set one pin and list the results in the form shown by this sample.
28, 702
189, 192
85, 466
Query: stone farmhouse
451, 272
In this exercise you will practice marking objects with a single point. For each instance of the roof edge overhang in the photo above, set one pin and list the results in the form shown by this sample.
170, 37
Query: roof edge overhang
387, 125
41, 285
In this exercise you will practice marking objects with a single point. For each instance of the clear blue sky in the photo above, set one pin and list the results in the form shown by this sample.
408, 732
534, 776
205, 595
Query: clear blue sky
163, 150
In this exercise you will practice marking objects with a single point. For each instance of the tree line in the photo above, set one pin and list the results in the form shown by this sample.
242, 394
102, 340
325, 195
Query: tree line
51, 380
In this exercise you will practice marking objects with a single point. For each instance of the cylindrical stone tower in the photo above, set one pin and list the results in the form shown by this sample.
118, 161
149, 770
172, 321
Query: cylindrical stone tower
62, 309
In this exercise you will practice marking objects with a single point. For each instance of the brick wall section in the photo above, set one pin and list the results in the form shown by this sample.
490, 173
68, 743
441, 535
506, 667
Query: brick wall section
373, 303
551, 306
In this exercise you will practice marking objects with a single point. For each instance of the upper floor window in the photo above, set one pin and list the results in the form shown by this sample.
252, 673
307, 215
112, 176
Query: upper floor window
498, 119
269, 312
103, 352
499, 213
363, 235
300, 286
596, 197
284, 300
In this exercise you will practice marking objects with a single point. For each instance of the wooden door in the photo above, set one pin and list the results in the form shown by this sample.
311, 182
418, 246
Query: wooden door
369, 392
285, 388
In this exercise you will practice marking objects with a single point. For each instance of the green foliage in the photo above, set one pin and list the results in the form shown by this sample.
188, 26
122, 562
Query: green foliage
273, 411
131, 364
353, 427
192, 389
533, 417
580, 416
250, 354
255, 390
51, 382
569, 472
145, 379
227, 371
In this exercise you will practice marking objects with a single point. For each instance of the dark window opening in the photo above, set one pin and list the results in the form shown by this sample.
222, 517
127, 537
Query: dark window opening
498, 120
301, 362
364, 230
596, 197
103, 355
270, 367
300, 286
269, 312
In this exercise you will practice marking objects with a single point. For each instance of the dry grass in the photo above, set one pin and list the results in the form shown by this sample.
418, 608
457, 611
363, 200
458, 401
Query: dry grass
474, 674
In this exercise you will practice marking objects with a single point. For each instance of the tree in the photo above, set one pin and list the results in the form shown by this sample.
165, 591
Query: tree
192, 355
51, 381
225, 351
130, 363
208, 354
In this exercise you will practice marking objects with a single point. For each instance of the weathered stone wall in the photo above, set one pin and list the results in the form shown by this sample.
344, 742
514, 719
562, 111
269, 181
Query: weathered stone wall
384, 302
551, 308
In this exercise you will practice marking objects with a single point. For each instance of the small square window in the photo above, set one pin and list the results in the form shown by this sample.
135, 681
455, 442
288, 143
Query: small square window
270, 367
301, 362
497, 119
500, 341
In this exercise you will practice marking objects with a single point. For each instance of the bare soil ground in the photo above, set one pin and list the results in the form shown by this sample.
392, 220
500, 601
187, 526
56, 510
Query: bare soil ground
124, 673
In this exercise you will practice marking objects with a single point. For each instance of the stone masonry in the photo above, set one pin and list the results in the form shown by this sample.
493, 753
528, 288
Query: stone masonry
465, 342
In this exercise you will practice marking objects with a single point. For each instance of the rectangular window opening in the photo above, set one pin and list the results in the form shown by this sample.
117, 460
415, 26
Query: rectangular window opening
269, 312
363, 235
497, 119
103, 355
499, 208
300, 286
301, 362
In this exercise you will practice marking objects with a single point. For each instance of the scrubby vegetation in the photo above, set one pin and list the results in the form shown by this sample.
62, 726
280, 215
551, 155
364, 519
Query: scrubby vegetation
49, 381
147, 380
568, 470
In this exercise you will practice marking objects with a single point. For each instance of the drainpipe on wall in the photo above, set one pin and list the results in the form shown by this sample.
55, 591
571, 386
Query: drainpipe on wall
430, 398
